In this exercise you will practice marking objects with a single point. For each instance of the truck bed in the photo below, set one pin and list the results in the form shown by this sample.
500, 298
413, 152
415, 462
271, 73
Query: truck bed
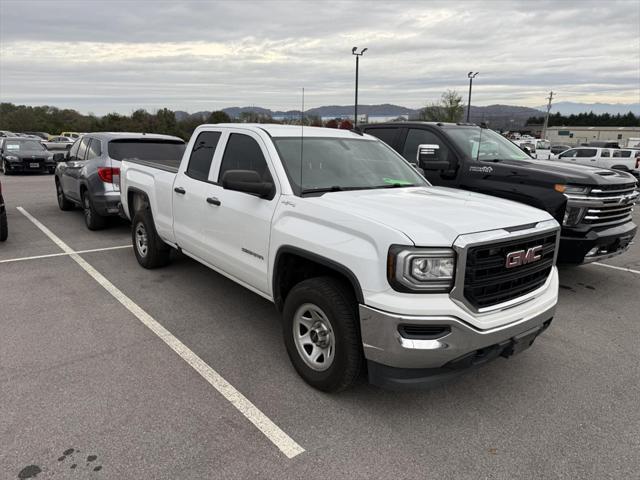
166, 165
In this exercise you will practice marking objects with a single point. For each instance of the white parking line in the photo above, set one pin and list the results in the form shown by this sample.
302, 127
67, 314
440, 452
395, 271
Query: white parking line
624, 269
61, 254
278, 437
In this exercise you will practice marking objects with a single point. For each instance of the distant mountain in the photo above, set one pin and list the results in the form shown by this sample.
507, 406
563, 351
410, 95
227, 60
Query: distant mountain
507, 117
568, 108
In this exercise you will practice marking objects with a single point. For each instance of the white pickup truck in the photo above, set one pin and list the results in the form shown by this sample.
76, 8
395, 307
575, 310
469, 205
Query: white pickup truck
370, 265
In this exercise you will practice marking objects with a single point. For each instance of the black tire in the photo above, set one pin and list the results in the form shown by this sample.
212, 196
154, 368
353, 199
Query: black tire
63, 203
157, 253
92, 219
336, 300
4, 228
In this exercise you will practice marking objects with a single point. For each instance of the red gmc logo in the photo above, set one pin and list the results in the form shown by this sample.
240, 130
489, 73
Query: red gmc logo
522, 257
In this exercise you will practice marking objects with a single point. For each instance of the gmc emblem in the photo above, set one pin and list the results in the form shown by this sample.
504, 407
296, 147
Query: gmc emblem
522, 257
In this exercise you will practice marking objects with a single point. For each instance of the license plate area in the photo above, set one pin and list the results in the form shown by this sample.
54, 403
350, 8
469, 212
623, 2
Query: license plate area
34, 165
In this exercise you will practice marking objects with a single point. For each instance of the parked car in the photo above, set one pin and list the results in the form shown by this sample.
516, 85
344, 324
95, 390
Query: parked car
89, 174
365, 260
603, 144
19, 154
604, 158
558, 149
43, 135
58, 143
7, 133
593, 205
72, 135
4, 228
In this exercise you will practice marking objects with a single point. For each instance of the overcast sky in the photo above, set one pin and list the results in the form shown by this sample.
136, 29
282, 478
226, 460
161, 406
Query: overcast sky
102, 56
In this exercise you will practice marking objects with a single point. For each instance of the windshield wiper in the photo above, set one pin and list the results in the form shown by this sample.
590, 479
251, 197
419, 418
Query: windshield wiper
396, 185
334, 188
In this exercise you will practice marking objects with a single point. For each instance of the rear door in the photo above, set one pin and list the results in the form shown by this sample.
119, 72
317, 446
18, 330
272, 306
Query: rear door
237, 225
190, 192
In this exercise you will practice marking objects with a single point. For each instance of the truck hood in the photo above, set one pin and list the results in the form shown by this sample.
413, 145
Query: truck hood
559, 172
433, 216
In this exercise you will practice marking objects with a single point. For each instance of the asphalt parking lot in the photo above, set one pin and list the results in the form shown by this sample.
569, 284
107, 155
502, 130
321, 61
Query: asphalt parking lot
88, 390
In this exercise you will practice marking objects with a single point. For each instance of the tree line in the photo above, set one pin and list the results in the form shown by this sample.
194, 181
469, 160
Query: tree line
588, 120
21, 118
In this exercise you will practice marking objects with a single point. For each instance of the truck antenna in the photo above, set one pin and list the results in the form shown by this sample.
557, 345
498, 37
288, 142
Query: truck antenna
301, 138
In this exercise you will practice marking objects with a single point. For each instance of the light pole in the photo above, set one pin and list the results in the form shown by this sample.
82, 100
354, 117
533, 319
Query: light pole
471, 76
358, 55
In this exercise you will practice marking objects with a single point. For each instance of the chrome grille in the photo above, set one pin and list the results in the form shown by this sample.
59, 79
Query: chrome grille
605, 204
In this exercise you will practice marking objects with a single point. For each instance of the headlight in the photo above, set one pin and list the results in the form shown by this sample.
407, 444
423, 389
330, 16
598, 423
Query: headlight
11, 158
411, 269
570, 189
572, 216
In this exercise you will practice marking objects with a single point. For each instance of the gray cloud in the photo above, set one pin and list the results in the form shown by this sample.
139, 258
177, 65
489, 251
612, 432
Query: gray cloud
106, 56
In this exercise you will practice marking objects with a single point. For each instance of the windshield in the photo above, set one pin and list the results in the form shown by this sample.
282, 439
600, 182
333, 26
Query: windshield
343, 164
543, 144
155, 150
27, 145
484, 144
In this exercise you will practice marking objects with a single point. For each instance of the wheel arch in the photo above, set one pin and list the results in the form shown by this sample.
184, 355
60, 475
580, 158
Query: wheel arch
293, 264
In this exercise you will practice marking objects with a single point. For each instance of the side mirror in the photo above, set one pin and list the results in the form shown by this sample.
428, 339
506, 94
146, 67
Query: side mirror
67, 146
59, 157
247, 181
428, 157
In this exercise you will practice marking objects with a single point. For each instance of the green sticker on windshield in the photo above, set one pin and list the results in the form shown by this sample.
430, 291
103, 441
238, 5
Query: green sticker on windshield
394, 181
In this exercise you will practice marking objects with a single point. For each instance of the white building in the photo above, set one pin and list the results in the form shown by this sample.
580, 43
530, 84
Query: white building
577, 135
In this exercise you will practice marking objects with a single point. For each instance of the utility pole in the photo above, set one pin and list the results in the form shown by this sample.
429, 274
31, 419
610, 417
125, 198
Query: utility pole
358, 55
471, 76
546, 117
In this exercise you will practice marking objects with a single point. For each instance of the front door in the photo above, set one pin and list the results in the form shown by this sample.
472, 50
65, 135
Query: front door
237, 225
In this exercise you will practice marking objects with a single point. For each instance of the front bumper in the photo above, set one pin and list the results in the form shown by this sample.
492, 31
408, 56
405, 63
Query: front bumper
22, 166
397, 362
596, 244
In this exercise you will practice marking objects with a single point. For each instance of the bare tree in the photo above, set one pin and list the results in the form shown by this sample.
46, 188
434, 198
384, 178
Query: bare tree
449, 109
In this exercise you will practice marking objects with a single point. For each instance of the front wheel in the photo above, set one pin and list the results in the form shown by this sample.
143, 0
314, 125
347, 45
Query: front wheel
321, 334
150, 250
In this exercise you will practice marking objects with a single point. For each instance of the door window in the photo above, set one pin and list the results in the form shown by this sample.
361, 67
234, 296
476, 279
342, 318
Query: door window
244, 153
417, 137
95, 149
73, 152
586, 152
605, 154
202, 155
387, 135
82, 150
569, 154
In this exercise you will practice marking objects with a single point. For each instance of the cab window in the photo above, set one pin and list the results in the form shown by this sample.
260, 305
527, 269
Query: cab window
243, 153
202, 155
417, 137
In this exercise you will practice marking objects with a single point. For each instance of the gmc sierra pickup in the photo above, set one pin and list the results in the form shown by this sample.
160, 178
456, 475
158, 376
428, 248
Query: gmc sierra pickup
594, 205
368, 263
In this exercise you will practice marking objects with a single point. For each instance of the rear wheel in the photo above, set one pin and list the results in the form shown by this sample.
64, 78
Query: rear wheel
150, 250
321, 334
63, 203
92, 219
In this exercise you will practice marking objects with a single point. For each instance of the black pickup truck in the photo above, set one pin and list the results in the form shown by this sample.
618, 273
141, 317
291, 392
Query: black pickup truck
593, 205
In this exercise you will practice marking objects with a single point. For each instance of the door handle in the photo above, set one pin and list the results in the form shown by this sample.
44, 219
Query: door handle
180, 190
213, 201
